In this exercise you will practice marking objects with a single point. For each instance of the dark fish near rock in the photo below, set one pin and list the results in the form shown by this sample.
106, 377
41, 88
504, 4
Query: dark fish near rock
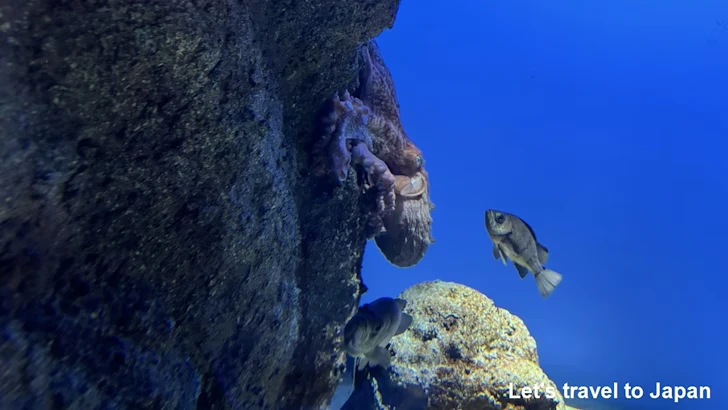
513, 238
367, 334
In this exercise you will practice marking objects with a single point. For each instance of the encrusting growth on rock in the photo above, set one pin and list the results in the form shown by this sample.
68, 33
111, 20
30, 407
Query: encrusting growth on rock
462, 352
367, 131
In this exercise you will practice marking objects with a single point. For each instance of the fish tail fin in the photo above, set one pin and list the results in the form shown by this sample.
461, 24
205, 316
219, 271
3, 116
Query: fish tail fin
547, 280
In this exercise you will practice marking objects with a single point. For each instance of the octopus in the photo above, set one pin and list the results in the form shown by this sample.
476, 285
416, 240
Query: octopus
364, 131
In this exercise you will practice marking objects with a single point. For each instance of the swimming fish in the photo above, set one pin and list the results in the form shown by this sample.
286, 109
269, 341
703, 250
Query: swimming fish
367, 334
513, 238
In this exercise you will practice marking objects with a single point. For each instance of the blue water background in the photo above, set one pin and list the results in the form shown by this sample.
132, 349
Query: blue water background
605, 126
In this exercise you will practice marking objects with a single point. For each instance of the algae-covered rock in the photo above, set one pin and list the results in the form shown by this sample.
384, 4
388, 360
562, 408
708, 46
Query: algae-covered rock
461, 352
162, 244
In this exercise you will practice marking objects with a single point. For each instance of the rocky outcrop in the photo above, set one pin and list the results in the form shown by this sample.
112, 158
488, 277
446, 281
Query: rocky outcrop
162, 244
461, 352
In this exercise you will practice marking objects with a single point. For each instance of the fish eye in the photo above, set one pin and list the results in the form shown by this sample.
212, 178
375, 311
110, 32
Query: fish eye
420, 161
500, 219
378, 327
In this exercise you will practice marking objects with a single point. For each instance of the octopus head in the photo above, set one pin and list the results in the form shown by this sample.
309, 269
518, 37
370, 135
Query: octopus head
376, 83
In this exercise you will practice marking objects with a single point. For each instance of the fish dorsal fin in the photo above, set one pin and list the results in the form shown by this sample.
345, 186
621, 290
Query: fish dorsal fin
404, 324
543, 253
523, 272
366, 311
401, 303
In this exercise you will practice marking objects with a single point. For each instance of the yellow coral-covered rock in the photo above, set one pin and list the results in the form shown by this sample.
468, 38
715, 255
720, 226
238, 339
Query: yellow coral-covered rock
465, 352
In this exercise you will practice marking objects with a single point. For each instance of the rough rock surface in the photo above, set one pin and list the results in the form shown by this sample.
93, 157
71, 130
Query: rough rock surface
161, 242
461, 352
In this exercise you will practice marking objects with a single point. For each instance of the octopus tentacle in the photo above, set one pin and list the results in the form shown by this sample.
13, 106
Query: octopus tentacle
347, 142
344, 122
380, 176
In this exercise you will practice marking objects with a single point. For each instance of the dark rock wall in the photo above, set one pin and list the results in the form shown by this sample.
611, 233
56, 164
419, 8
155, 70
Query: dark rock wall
162, 244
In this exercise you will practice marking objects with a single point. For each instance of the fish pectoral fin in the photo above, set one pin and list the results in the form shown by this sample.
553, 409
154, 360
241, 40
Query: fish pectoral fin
543, 253
503, 256
362, 362
523, 272
353, 377
354, 371
358, 375
496, 252
380, 357
364, 309
499, 254
404, 323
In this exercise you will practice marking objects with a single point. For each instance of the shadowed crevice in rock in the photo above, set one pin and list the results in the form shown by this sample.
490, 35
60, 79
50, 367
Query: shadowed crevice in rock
163, 243
375, 390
